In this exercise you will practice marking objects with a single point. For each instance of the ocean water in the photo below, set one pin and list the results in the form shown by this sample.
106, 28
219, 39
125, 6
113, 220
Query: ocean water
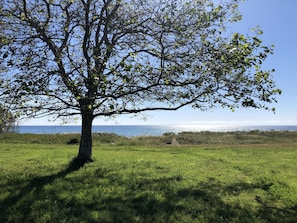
149, 130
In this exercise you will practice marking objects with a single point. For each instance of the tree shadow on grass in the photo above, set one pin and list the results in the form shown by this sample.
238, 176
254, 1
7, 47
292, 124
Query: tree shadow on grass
202, 203
158, 198
35, 186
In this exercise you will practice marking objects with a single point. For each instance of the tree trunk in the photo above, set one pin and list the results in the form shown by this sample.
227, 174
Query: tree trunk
85, 147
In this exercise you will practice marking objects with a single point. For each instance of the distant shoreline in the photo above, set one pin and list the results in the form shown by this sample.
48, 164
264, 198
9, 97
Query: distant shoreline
148, 130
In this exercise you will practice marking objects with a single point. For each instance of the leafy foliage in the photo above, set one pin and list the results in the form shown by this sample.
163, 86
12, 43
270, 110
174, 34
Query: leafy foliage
117, 56
7, 120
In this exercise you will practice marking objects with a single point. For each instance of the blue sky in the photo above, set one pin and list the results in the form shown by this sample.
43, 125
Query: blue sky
278, 20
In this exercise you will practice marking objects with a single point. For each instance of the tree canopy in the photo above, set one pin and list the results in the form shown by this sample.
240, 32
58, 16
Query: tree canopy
110, 57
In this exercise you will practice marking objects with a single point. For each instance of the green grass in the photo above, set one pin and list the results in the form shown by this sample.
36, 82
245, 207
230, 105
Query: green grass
204, 177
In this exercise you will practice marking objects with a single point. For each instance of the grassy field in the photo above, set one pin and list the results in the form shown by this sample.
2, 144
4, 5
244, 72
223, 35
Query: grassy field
202, 177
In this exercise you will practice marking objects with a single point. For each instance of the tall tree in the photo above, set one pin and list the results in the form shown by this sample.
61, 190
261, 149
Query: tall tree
110, 57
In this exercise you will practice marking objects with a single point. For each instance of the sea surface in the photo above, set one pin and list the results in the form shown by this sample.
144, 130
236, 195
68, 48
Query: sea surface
149, 130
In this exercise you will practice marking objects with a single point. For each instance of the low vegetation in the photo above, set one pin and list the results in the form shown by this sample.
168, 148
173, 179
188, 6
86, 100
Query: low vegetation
186, 177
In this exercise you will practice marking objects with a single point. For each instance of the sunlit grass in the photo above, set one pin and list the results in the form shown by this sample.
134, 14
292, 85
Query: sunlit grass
136, 181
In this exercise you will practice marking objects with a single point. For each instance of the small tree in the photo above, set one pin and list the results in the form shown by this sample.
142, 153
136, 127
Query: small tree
7, 120
110, 57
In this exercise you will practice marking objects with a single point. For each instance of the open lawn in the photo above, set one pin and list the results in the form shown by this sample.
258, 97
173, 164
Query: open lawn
201, 177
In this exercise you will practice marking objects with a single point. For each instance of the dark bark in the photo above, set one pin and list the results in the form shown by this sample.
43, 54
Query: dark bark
85, 147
